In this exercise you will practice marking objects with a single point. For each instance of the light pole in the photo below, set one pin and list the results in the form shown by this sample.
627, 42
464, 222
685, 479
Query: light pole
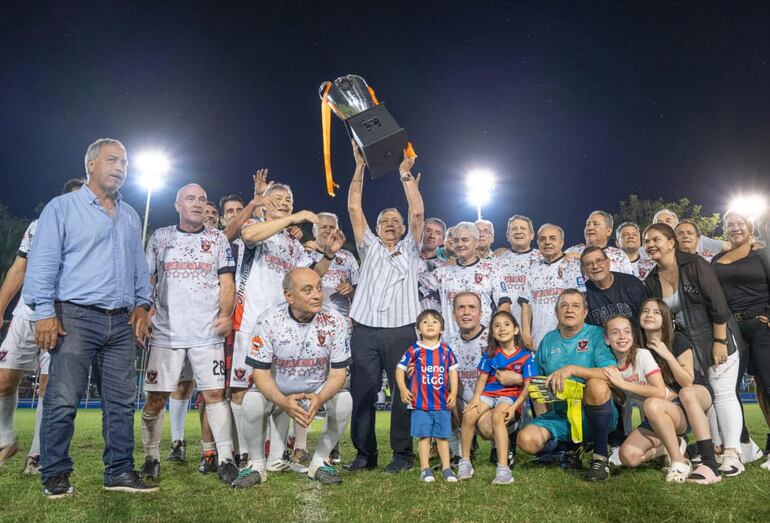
480, 184
152, 167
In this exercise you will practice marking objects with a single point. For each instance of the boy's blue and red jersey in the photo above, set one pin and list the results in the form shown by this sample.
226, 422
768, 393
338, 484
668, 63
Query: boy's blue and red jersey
430, 381
520, 362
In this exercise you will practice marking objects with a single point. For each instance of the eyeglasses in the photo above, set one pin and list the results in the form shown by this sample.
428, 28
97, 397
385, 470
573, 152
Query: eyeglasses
592, 264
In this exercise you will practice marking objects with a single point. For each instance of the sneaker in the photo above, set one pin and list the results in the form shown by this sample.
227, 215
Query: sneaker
766, 465
227, 471
693, 455
503, 476
750, 452
8, 452
326, 475
731, 464
299, 459
33, 466
464, 470
278, 465
398, 465
248, 477
150, 469
426, 476
208, 462
241, 460
572, 459
493, 457
598, 470
130, 482
178, 451
334, 456
57, 487
678, 472
449, 476
615, 457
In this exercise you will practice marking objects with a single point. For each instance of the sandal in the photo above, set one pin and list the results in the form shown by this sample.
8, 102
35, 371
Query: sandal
703, 475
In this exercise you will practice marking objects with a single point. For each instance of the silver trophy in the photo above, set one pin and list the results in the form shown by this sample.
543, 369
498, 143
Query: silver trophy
368, 122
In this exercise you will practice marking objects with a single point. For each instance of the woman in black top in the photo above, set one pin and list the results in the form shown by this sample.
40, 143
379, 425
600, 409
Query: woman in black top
745, 277
689, 286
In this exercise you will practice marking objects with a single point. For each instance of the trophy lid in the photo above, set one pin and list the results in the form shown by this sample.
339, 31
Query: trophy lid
347, 95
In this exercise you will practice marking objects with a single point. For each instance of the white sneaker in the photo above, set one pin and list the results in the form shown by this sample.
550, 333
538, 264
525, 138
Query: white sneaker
731, 463
766, 465
678, 472
615, 457
278, 465
750, 452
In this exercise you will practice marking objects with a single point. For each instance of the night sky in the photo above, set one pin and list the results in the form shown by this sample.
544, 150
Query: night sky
574, 105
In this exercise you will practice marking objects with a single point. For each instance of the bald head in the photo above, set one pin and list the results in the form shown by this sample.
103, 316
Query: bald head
190, 204
303, 292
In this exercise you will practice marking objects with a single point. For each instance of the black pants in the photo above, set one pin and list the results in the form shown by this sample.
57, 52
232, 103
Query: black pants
374, 349
755, 358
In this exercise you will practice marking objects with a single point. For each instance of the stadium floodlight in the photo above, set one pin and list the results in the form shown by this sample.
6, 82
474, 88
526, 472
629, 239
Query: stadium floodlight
480, 183
152, 167
752, 206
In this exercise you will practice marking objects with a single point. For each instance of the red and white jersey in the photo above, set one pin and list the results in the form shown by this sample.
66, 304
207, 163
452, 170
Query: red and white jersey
344, 268
619, 262
545, 283
642, 267
300, 353
468, 354
259, 283
429, 299
22, 311
188, 266
480, 277
514, 268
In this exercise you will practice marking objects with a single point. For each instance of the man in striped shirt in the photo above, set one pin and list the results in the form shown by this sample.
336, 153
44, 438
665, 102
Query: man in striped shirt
384, 309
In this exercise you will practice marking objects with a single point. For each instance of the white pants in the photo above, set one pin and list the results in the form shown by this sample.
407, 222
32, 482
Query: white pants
729, 419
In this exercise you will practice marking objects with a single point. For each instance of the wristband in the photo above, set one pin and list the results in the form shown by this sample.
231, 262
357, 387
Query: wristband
330, 258
721, 341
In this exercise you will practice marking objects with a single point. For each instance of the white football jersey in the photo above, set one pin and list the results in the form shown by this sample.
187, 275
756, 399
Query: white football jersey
481, 277
642, 267
259, 283
429, 299
300, 353
619, 262
188, 266
545, 283
22, 311
514, 268
468, 354
344, 268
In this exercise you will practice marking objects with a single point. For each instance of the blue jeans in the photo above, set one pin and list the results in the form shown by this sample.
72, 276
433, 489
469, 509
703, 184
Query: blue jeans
109, 339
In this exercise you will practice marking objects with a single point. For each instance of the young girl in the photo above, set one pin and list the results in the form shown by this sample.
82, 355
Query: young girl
433, 391
688, 399
504, 353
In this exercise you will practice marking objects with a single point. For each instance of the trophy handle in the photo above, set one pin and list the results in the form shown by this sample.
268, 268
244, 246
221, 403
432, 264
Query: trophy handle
323, 88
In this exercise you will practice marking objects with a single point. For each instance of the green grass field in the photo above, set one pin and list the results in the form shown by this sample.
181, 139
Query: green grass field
538, 494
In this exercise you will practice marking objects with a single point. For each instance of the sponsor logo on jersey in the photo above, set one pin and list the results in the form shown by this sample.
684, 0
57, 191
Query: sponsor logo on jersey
152, 377
3, 354
257, 343
205, 245
582, 346
478, 277
239, 374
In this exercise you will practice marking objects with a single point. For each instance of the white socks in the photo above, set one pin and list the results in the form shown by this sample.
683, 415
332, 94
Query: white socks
34, 449
219, 421
300, 436
243, 445
254, 426
7, 414
338, 411
177, 409
152, 429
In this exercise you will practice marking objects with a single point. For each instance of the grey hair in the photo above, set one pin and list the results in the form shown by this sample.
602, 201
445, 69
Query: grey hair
522, 218
486, 222
326, 215
92, 153
279, 187
607, 217
561, 231
179, 192
450, 231
393, 209
468, 226
288, 282
439, 222
623, 226
669, 211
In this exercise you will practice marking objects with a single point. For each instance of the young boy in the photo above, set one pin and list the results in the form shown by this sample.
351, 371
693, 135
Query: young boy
435, 367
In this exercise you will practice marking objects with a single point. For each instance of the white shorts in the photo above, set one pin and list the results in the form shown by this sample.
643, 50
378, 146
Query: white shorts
165, 366
20, 351
240, 374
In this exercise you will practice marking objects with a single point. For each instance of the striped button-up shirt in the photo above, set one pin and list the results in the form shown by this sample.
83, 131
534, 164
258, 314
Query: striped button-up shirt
387, 294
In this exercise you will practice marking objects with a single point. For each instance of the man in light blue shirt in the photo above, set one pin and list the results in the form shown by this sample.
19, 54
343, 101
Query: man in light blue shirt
89, 286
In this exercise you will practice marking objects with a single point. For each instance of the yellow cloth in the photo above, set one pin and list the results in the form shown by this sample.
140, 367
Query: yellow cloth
572, 394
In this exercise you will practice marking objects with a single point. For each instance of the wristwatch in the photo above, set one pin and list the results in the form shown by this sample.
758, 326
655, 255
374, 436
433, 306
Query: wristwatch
722, 341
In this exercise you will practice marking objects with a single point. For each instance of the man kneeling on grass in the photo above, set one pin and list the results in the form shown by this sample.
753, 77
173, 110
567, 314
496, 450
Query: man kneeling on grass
574, 350
300, 354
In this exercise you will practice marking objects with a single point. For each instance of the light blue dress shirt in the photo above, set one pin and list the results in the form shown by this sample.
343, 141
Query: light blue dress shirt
84, 256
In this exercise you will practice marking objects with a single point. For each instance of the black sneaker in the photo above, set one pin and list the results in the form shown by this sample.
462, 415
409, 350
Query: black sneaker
227, 471
178, 451
398, 465
599, 470
242, 460
150, 469
493, 457
208, 462
334, 455
57, 487
326, 475
130, 482
572, 459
